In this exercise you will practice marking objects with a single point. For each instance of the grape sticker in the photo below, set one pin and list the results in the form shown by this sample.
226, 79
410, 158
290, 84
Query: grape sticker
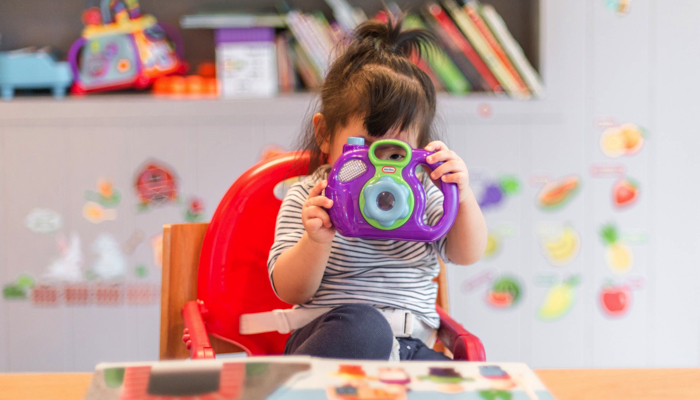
623, 140
495, 192
556, 194
504, 293
618, 255
559, 300
560, 247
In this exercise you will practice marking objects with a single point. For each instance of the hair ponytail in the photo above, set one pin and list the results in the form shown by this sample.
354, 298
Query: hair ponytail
374, 79
389, 36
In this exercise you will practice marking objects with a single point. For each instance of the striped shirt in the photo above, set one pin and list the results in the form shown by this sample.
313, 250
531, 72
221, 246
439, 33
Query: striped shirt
383, 273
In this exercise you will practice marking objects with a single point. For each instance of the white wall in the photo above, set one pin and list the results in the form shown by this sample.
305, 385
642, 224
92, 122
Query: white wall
598, 68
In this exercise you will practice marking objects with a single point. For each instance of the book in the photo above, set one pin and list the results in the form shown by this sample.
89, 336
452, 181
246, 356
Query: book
285, 68
246, 62
479, 43
513, 49
218, 20
303, 378
445, 69
471, 9
308, 74
460, 50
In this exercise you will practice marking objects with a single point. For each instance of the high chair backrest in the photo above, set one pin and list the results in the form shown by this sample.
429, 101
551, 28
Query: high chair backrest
233, 277
231, 253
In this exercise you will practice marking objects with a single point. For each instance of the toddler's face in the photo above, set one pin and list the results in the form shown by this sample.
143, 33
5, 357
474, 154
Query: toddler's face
356, 128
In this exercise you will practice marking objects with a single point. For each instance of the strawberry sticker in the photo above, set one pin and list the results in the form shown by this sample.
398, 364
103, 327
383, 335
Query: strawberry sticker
625, 192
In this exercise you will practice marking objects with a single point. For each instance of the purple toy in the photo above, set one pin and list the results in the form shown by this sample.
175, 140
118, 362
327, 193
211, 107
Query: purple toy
384, 199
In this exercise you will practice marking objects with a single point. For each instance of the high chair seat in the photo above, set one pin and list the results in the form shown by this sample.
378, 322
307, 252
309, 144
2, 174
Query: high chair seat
232, 280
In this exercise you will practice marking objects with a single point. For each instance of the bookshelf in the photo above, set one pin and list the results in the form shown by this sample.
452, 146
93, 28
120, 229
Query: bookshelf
59, 25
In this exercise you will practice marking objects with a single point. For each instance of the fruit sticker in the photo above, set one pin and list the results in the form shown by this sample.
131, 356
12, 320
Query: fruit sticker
562, 247
559, 300
614, 299
495, 192
618, 255
493, 245
156, 184
623, 140
619, 7
195, 210
504, 293
625, 192
105, 195
101, 202
556, 194
19, 289
42, 220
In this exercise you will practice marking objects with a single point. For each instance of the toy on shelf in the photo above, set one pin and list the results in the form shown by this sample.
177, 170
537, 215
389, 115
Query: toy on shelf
32, 69
380, 197
120, 48
201, 85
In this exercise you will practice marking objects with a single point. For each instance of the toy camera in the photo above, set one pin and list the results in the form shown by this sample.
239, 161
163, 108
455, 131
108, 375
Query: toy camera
375, 198
120, 48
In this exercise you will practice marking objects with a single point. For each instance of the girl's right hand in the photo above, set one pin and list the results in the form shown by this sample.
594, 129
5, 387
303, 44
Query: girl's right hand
314, 216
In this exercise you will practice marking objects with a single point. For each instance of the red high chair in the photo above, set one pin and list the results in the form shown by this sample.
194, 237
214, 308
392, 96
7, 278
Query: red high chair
232, 279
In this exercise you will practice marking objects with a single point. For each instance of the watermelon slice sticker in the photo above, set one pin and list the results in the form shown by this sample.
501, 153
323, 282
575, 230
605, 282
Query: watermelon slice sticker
554, 195
505, 292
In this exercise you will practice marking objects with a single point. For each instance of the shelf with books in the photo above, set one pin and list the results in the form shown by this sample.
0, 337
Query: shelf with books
476, 51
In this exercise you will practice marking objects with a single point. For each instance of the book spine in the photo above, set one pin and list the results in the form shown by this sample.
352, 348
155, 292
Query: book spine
307, 72
476, 81
521, 88
451, 77
280, 49
423, 65
305, 40
513, 49
456, 37
479, 43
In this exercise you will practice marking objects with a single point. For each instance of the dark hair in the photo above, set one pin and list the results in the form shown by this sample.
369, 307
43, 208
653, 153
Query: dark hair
374, 78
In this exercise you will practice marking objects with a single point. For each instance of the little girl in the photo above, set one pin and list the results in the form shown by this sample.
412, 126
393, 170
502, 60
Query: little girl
357, 298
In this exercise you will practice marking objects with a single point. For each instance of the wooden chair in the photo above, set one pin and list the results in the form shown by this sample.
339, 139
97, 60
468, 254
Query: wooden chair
198, 259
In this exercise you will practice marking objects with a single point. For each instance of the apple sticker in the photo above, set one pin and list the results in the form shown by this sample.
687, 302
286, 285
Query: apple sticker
615, 299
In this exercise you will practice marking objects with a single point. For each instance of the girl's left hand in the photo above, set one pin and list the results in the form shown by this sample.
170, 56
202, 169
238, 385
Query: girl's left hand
453, 170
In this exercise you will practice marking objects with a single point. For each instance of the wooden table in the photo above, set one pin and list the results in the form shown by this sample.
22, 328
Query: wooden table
570, 384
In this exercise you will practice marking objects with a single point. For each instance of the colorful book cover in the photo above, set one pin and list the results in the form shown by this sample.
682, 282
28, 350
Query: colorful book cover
481, 46
307, 72
456, 39
284, 65
455, 54
307, 378
308, 41
471, 9
513, 49
445, 69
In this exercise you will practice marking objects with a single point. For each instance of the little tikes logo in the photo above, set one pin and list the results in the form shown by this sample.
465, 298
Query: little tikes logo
389, 170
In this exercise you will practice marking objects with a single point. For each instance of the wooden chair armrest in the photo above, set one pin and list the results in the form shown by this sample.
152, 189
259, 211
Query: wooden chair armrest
462, 344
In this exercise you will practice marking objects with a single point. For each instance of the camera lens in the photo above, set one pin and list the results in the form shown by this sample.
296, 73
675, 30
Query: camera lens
385, 201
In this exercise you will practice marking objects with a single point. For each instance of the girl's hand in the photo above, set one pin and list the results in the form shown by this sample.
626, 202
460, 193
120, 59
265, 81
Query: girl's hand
453, 170
314, 216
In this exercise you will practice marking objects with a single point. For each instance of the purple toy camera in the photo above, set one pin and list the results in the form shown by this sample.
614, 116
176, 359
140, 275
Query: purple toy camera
375, 198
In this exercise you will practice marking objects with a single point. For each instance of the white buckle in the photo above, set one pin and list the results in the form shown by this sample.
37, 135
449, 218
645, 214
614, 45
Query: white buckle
281, 320
408, 323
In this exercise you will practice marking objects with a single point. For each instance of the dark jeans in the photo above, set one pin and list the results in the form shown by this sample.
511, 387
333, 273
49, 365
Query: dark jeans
355, 331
